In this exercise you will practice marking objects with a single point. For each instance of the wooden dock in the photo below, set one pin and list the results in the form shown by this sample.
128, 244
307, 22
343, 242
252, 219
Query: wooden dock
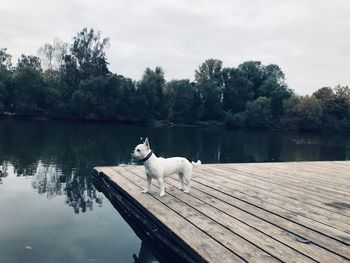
256, 212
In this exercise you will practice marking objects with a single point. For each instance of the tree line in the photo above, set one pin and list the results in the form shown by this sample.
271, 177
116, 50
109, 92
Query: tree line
72, 81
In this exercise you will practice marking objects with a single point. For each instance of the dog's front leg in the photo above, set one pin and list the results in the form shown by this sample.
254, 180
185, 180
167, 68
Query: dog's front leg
161, 186
149, 181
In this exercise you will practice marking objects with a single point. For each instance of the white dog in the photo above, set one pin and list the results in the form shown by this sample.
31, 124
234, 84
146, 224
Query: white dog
160, 168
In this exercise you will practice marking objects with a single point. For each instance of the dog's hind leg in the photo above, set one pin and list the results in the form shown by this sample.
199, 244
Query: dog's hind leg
187, 180
181, 176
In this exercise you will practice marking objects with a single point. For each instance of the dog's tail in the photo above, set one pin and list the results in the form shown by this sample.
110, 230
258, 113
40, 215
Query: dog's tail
198, 163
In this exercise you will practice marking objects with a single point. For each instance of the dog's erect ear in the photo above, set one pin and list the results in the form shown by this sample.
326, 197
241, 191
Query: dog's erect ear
147, 143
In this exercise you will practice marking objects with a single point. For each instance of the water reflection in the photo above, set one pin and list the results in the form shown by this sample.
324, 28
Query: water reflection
144, 256
58, 157
49, 181
3, 172
80, 193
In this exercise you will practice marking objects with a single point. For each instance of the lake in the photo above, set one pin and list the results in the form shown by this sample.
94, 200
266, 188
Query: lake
51, 212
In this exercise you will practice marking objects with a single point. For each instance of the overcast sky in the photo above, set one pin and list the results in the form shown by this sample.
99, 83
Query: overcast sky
308, 39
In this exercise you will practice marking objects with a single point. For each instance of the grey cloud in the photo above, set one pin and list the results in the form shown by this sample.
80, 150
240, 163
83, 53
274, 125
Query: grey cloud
309, 39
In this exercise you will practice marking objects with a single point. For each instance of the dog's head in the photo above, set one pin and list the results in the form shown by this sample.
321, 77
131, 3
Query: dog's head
142, 150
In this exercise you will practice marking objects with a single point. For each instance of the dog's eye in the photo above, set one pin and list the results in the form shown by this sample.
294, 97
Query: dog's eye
138, 150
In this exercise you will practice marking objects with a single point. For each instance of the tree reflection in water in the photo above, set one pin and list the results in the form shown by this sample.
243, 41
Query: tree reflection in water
60, 155
79, 191
3, 171
51, 181
145, 255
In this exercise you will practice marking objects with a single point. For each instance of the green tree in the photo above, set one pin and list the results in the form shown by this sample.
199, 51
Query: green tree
335, 105
326, 97
5, 81
275, 72
211, 96
29, 88
103, 98
253, 71
238, 90
342, 101
209, 70
89, 51
88, 104
180, 96
275, 91
5, 59
290, 119
209, 85
150, 94
76, 83
324, 94
29, 62
86, 58
274, 87
258, 113
310, 111
342, 91
234, 119
290, 106
58, 95
70, 75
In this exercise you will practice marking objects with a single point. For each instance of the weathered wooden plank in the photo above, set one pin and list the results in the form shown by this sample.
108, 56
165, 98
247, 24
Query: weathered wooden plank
325, 229
261, 213
297, 177
290, 172
323, 202
323, 169
299, 174
296, 218
302, 208
290, 226
220, 233
254, 212
318, 201
287, 183
208, 248
296, 198
329, 173
340, 166
223, 210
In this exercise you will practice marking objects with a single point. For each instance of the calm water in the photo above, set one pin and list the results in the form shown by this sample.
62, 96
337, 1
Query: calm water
51, 212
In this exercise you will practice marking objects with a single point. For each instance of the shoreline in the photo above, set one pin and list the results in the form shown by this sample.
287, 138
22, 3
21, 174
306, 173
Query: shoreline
166, 124
152, 123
